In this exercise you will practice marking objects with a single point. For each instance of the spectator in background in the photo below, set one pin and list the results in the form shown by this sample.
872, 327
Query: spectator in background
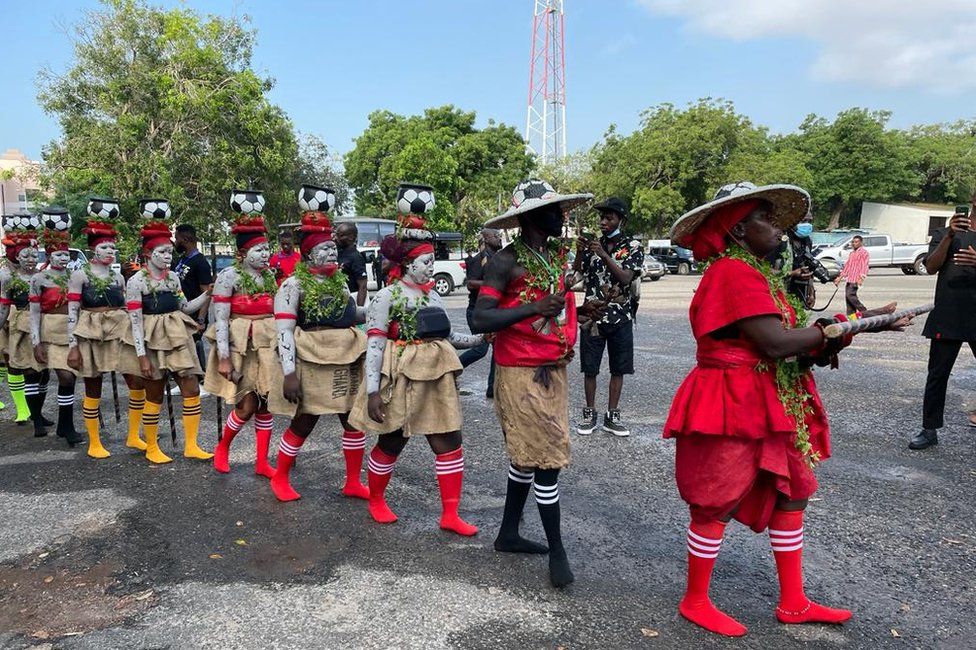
952, 254
284, 261
490, 243
196, 277
854, 272
74, 264
379, 270
351, 261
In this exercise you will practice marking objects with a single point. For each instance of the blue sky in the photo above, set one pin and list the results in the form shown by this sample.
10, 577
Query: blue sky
335, 61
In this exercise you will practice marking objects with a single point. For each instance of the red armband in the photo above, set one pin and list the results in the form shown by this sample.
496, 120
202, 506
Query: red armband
283, 315
134, 305
222, 299
6, 301
74, 297
490, 292
377, 332
34, 299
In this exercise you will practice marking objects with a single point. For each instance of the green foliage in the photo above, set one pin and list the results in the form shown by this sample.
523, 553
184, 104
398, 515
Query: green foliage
470, 169
944, 156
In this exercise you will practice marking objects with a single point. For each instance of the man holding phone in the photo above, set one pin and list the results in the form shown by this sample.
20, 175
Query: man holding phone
952, 254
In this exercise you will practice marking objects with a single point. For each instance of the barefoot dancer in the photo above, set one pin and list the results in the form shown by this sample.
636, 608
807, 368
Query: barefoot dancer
49, 318
320, 347
411, 366
524, 299
740, 450
160, 339
96, 322
243, 337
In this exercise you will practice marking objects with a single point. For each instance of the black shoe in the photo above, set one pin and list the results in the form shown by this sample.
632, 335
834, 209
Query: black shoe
924, 439
587, 424
611, 424
490, 394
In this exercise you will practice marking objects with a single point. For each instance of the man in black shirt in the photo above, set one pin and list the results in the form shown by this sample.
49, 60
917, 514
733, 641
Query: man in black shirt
195, 275
491, 243
351, 261
952, 254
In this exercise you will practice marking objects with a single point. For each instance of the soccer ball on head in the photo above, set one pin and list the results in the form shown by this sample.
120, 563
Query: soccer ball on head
154, 209
312, 198
247, 202
30, 221
57, 218
532, 188
415, 199
103, 208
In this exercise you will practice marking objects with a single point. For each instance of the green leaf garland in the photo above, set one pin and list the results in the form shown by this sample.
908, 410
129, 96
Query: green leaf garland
247, 285
404, 314
316, 288
99, 285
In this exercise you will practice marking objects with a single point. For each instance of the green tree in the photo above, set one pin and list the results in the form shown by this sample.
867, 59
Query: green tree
163, 102
945, 159
469, 168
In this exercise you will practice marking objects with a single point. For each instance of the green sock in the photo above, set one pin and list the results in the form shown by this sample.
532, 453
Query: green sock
16, 384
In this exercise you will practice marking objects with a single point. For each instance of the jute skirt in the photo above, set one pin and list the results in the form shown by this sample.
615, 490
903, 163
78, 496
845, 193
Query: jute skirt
418, 388
329, 366
99, 335
535, 419
169, 346
54, 337
4, 337
20, 351
252, 355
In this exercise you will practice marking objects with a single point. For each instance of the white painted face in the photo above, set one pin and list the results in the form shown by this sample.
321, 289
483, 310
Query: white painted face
27, 259
161, 257
257, 256
59, 260
421, 270
105, 253
324, 253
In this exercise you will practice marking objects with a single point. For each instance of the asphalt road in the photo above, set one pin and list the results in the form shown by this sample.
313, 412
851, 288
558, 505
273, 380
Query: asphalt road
120, 554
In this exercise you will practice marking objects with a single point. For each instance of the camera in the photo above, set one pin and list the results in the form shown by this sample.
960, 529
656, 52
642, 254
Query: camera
813, 265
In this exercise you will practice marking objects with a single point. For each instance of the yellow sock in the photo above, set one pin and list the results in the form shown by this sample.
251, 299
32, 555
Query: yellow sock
137, 401
191, 425
89, 409
150, 424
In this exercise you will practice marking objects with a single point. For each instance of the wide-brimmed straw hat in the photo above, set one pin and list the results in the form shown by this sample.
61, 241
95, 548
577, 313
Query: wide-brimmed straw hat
532, 194
789, 205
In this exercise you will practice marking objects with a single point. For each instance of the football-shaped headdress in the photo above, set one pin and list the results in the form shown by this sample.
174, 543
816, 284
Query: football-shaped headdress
247, 202
312, 198
413, 203
154, 209
101, 208
249, 228
57, 221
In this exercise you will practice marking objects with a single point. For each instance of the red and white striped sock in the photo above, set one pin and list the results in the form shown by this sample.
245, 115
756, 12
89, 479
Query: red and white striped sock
704, 542
786, 538
353, 449
263, 424
379, 469
288, 448
232, 426
450, 477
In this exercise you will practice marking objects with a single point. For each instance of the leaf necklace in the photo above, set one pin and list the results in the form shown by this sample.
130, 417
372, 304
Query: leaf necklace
99, 285
317, 288
247, 285
405, 315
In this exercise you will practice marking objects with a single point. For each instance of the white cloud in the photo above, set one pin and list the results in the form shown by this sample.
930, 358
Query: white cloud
886, 43
617, 47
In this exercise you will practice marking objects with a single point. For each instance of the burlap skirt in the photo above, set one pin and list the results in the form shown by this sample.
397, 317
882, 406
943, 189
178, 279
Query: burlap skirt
169, 346
419, 391
4, 337
329, 366
54, 337
252, 354
99, 336
535, 419
20, 351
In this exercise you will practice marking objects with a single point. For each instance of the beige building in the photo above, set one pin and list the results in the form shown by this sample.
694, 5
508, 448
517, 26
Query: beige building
18, 176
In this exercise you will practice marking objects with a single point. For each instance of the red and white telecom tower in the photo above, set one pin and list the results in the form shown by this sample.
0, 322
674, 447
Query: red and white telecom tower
545, 123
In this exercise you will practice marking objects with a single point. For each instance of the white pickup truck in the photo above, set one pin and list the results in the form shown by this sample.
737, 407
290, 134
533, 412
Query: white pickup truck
910, 258
449, 274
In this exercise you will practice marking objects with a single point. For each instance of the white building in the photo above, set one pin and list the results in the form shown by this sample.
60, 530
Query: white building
910, 223
18, 174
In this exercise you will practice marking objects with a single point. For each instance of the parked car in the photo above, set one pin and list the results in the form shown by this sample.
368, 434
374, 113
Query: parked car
910, 258
675, 258
654, 269
220, 262
449, 268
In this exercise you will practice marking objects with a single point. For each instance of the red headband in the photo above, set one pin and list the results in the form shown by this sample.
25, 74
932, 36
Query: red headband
99, 232
55, 241
16, 242
155, 233
709, 239
396, 272
315, 229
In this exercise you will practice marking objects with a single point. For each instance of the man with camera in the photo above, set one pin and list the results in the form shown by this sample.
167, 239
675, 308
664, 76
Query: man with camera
952, 254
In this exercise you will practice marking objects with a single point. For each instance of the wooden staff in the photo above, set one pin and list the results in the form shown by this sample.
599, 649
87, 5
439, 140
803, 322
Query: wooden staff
169, 408
115, 397
837, 330
220, 416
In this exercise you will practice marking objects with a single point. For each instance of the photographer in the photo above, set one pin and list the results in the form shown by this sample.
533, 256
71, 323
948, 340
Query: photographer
952, 254
795, 259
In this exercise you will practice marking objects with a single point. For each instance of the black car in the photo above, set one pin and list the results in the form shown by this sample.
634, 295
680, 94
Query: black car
675, 258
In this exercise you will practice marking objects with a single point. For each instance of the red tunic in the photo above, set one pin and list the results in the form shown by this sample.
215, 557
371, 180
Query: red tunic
735, 440
522, 344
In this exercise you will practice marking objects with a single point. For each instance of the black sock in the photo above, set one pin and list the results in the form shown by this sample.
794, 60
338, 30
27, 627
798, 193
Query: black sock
508, 539
547, 497
34, 403
66, 408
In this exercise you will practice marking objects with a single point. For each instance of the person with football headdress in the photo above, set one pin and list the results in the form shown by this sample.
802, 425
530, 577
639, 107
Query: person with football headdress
411, 366
96, 322
525, 299
319, 346
748, 420
243, 335
23, 374
160, 341
49, 317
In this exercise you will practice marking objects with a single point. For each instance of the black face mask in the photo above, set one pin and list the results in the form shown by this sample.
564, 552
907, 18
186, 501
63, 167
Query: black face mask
550, 220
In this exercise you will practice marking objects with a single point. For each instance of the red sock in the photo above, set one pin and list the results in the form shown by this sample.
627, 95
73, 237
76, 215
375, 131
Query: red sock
287, 450
379, 469
232, 426
353, 448
786, 538
704, 541
263, 423
450, 477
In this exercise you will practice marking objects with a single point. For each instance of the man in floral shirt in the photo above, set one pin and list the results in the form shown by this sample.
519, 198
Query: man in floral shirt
611, 268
